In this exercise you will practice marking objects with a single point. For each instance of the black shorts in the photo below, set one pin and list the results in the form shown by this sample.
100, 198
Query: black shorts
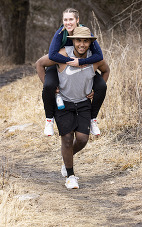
75, 117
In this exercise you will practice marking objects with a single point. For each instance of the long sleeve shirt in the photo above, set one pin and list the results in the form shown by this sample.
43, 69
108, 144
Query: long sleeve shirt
56, 44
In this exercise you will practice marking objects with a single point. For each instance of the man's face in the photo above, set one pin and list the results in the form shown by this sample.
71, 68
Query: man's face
81, 45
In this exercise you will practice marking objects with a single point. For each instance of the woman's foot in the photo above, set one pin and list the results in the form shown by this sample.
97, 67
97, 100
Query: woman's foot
94, 127
49, 131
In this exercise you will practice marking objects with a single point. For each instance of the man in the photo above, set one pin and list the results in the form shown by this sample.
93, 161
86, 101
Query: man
75, 86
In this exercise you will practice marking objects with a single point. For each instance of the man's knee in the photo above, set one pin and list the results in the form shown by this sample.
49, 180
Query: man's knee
67, 140
82, 139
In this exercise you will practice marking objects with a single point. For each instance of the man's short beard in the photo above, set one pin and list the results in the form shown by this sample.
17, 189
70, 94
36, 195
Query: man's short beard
79, 53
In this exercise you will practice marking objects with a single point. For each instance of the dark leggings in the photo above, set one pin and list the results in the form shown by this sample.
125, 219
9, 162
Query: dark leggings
99, 87
51, 83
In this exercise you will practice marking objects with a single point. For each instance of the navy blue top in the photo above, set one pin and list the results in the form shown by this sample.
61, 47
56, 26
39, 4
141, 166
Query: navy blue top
55, 46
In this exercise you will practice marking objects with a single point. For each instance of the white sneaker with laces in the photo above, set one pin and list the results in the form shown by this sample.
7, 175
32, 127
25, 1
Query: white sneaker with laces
94, 129
48, 131
63, 170
71, 182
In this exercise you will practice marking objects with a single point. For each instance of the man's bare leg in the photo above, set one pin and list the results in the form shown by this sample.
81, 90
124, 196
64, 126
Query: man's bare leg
67, 149
67, 153
80, 141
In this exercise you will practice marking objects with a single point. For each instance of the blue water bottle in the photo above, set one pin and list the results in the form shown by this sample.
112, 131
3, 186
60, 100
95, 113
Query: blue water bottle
59, 102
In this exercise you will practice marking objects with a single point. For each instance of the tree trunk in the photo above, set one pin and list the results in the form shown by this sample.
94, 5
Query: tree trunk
14, 19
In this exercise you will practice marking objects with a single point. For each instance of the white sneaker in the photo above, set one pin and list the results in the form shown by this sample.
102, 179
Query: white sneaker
71, 182
94, 127
48, 131
63, 170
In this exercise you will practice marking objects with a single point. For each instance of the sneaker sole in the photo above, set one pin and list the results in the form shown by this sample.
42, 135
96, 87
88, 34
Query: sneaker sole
48, 135
64, 175
94, 134
72, 188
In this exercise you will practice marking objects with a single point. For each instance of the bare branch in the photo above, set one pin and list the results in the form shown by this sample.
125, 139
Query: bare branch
125, 18
126, 9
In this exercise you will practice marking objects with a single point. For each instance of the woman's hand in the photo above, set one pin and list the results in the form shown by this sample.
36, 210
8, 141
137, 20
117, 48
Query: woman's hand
90, 96
75, 62
57, 90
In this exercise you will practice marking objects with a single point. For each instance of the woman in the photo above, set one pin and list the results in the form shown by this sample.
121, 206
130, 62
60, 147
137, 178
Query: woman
70, 21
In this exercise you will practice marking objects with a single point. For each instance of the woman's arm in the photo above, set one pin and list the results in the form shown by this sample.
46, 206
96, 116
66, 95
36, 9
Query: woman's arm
55, 47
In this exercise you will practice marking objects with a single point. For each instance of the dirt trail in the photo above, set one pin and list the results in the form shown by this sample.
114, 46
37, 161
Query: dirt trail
107, 196
109, 171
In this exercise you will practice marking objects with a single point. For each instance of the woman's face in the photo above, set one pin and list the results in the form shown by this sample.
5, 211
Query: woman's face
70, 22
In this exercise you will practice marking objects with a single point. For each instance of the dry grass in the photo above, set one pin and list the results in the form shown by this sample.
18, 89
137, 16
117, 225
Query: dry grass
123, 107
5, 67
108, 167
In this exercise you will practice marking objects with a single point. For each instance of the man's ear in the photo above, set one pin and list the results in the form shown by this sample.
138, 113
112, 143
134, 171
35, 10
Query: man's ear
73, 40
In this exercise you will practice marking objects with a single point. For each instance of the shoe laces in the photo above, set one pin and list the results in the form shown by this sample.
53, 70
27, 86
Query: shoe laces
76, 178
94, 122
49, 122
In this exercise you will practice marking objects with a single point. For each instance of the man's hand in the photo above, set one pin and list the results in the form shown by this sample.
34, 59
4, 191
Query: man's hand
90, 96
75, 62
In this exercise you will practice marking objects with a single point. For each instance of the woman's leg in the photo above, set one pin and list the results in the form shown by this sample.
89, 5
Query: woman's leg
48, 95
99, 87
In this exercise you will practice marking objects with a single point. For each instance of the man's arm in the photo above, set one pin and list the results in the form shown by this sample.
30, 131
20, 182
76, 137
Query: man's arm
61, 66
41, 64
104, 68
